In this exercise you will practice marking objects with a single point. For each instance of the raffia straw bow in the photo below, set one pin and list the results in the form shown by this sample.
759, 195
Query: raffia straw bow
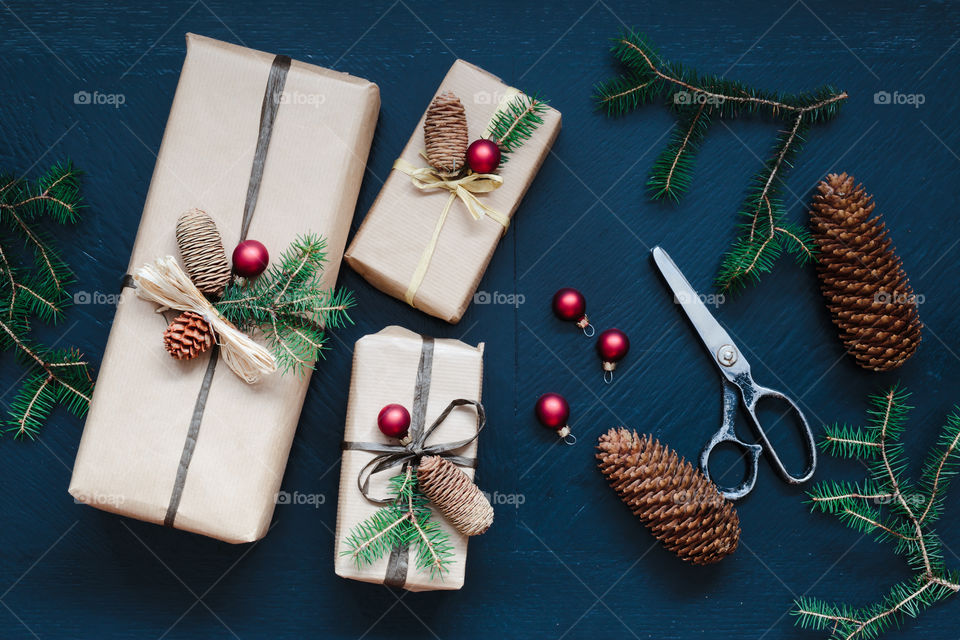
464, 189
165, 283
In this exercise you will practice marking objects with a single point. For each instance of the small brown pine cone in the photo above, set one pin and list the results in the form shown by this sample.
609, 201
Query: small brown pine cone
455, 495
867, 292
676, 502
188, 336
445, 134
202, 252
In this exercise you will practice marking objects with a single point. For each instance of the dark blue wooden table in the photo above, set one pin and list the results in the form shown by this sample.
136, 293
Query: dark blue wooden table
565, 558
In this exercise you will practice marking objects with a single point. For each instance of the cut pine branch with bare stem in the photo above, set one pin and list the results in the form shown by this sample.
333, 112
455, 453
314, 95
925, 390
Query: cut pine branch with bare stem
698, 100
893, 509
33, 285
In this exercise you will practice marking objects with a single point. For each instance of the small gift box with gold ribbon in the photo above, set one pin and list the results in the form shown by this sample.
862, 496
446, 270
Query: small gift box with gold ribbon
434, 227
407, 502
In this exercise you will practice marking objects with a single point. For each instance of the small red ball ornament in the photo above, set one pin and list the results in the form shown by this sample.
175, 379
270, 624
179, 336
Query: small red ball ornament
250, 258
553, 411
483, 156
612, 346
570, 305
394, 421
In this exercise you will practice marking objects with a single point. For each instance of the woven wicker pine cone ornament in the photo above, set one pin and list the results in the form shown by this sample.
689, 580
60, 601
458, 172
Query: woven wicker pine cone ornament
676, 502
445, 134
202, 252
455, 495
866, 290
188, 336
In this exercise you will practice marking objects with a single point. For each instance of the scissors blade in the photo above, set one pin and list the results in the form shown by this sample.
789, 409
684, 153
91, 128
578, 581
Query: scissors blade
713, 335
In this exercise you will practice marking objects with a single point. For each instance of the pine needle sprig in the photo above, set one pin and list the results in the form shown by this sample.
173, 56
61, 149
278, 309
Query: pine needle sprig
513, 125
407, 521
287, 304
888, 506
698, 99
33, 285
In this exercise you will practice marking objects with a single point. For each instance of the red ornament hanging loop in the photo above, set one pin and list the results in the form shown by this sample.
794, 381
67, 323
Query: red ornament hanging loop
553, 412
570, 305
612, 346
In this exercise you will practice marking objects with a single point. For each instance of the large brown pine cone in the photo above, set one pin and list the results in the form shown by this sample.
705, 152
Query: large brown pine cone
202, 252
445, 134
676, 502
455, 495
188, 336
866, 290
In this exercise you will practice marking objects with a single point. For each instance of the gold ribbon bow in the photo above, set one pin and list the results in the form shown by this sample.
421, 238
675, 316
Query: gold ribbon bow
464, 189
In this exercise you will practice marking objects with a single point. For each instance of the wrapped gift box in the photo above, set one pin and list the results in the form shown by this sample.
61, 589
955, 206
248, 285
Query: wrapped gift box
389, 246
139, 456
397, 366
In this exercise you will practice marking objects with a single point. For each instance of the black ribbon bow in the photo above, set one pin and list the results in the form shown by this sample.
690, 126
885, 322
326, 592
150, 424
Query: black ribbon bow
393, 455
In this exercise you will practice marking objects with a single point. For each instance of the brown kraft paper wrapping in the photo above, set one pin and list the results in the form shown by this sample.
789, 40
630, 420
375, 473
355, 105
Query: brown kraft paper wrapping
385, 367
394, 233
137, 427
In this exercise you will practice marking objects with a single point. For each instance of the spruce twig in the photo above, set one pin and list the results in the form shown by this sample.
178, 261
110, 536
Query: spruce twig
698, 99
288, 306
910, 512
513, 125
39, 290
405, 521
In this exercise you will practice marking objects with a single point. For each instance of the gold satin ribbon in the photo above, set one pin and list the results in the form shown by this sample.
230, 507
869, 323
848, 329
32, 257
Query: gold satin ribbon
464, 189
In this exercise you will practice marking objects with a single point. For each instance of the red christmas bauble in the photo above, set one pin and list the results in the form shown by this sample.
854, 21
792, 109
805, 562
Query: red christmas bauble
569, 304
612, 345
394, 421
250, 258
483, 156
552, 411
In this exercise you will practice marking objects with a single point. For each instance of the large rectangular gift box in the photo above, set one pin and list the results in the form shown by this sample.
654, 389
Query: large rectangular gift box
394, 243
424, 375
150, 450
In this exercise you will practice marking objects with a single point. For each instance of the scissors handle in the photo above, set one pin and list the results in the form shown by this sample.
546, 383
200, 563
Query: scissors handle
753, 392
727, 434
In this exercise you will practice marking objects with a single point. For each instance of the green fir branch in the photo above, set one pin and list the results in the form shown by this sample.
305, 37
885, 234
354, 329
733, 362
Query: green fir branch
407, 521
33, 285
289, 306
890, 507
513, 125
764, 234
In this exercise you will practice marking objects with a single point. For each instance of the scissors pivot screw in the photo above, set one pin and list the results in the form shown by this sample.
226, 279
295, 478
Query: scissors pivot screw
727, 355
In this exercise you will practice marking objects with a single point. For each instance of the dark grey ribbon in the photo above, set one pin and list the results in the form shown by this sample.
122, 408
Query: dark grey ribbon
394, 455
268, 114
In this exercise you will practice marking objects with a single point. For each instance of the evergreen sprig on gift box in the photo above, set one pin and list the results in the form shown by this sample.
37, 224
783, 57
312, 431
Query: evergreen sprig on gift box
699, 99
513, 125
34, 285
287, 304
407, 521
892, 509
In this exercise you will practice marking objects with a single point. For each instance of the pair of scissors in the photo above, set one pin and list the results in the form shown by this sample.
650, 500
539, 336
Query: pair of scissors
738, 385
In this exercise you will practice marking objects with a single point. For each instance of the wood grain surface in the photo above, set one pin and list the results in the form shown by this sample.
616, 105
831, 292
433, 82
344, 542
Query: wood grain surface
569, 561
